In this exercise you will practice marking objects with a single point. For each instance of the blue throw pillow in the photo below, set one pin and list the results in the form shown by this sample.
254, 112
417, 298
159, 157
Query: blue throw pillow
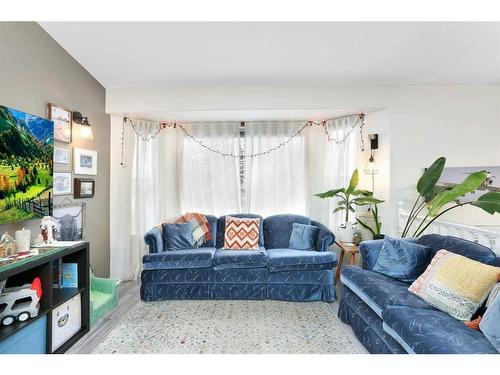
402, 260
490, 323
177, 236
303, 237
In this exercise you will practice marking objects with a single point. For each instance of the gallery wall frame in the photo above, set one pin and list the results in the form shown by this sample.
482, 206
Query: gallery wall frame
62, 122
83, 188
84, 161
62, 155
62, 183
70, 218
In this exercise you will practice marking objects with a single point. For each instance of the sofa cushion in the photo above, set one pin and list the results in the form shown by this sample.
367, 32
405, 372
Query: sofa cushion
179, 259
290, 260
426, 331
241, 234
231, 259
455, 284
459, 246
303, 237
402, 260
379, 291
278, 229
221, 228
177, 236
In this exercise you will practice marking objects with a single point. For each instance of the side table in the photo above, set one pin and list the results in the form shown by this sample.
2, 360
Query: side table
346, 248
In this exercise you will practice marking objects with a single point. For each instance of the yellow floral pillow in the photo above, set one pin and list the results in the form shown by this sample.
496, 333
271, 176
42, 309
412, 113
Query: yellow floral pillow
455, 284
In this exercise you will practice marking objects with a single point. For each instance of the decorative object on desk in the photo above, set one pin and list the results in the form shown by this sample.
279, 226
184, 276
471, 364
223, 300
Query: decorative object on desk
62, 156
62, 183
84, 161
434, 197
7, 246
20, 303
84, 128
356, 239
48, 229
23, 240
84, 188
62, 122
26, 153
349, 197
70, 275
66, 321
69, 222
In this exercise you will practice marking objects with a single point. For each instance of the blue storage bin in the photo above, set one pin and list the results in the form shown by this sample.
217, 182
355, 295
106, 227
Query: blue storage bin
29, 340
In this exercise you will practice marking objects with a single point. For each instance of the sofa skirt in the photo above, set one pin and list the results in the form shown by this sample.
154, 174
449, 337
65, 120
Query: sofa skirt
200, 291
367, 325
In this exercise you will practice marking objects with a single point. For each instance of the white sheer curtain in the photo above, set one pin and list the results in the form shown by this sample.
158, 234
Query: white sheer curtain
210, 182
330, 165
275, 183
144, 192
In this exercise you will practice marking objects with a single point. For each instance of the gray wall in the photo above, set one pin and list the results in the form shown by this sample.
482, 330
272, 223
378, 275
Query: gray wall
34, 71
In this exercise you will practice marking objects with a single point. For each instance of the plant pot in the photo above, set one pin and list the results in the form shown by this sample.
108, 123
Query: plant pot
345, 233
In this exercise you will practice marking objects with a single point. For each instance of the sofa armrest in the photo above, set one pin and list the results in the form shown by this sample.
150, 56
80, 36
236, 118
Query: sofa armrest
325, 237
154, 240
369, 251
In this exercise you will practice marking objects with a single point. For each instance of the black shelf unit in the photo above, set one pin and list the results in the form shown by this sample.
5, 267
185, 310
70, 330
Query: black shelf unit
42, 267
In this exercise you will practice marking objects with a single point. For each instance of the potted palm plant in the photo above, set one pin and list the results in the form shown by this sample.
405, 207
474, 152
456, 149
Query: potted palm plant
348, 198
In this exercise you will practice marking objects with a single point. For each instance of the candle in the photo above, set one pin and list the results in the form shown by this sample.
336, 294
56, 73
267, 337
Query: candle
23, 240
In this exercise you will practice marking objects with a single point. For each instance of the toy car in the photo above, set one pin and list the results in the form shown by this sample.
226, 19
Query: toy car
20, 303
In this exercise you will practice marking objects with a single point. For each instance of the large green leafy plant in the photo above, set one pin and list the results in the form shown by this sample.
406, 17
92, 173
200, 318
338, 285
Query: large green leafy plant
436, 200
350, 196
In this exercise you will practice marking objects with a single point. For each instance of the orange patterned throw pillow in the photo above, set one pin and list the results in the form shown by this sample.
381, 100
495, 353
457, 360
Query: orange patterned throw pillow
241, 234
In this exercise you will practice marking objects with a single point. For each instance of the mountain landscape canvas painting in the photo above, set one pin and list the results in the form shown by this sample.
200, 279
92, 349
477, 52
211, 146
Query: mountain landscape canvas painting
26, 165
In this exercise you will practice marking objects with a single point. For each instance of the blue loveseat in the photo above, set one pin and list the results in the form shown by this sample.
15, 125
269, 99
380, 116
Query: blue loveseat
387, 318
272, 272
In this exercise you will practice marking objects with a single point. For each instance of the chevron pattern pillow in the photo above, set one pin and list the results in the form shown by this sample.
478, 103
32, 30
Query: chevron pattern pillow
241, 234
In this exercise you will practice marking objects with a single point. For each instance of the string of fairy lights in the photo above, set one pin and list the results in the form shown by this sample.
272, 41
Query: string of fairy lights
359, 122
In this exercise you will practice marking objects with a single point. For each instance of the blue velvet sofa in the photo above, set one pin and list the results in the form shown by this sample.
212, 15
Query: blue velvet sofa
272, 272
387, 318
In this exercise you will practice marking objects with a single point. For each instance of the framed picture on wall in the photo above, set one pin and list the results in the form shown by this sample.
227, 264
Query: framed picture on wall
62, 156
62, 183
84, 188
62, 122
84, 161
69, 221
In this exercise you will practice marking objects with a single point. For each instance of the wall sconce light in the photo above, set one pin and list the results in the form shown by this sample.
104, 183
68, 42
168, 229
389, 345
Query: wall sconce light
84, 129
371, 168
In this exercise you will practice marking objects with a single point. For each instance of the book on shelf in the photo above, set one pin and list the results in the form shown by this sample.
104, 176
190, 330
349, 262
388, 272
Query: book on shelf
70, 275
57, 273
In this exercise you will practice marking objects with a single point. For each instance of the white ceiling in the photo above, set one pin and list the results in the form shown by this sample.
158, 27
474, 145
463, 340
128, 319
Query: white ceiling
122, 54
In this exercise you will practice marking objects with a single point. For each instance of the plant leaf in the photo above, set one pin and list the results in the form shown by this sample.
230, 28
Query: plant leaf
363, 201
330, 193
353, 183
471, 183
338, 209
426, 183
364, 225
489, 202
365, 193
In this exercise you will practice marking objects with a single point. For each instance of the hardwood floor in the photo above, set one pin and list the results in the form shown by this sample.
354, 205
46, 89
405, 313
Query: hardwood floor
129, 296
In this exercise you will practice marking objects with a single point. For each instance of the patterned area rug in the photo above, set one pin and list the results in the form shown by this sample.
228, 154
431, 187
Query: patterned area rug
228, 327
